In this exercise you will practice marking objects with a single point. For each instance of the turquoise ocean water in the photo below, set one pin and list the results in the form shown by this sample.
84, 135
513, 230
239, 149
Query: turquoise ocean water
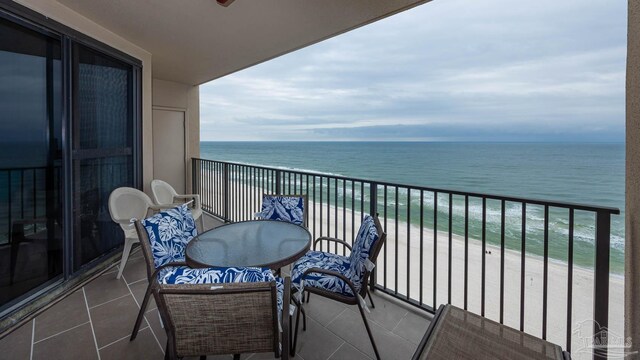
573, 172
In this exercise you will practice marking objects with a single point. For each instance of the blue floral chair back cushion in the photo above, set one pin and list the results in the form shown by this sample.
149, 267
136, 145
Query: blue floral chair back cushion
169, 233
283, 208
367, 237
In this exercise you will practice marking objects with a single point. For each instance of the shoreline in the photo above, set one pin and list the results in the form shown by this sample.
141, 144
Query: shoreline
558, 237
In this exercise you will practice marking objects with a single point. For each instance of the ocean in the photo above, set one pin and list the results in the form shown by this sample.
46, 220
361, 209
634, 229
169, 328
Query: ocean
585, 173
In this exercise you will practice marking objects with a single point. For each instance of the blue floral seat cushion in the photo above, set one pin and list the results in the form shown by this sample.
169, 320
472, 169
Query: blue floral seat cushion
325, 261
282, 208
186, 275
169, 233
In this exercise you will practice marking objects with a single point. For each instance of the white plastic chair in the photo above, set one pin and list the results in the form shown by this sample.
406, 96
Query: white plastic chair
165, 195
127, 203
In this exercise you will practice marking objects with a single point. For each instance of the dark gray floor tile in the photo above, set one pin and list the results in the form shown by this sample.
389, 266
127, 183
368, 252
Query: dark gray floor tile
17, 345
112, 270
70, 312
154, 320
138, 289
74, 344
350, 327
348, 352
105, 288
386, 313
317, 342
135, 270
143, 347
323, 310
412, 327
114, 319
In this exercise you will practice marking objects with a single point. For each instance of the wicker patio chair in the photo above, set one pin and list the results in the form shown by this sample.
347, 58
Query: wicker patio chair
341, 278
289, 208
163, 239
232, 319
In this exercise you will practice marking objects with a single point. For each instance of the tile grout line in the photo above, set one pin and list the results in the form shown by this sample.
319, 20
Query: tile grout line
335, 317
137, 281
144, 316
108, 301
398, 324
33, 334
377, 322
61, 332
339, 347
353, 345
122, 338
348, 308
148, 311
93, 332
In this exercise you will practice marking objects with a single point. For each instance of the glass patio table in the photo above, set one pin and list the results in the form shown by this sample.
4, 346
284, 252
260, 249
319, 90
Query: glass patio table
260, 243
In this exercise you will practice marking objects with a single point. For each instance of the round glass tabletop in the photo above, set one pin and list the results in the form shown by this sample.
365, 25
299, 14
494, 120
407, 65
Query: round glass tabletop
261, 243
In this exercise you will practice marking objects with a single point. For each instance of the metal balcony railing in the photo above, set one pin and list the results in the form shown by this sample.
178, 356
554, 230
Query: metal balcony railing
431, 231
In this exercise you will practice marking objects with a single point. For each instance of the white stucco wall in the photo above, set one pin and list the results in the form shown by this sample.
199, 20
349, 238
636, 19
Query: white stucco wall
172, 95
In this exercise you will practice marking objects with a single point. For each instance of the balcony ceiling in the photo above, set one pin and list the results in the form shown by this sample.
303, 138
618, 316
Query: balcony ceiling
196, 41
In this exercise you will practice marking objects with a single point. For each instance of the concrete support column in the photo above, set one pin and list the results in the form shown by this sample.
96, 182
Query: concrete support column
632, 236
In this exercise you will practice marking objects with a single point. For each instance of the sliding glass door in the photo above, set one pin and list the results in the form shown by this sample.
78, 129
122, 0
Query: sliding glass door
69, 135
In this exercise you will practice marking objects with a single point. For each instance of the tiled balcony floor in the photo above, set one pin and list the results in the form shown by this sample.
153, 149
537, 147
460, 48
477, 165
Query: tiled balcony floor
95, 322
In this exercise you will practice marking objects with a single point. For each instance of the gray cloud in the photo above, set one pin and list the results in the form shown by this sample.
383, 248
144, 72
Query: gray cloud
451, 69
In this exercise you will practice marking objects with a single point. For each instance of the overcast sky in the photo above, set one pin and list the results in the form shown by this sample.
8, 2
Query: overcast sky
449, 70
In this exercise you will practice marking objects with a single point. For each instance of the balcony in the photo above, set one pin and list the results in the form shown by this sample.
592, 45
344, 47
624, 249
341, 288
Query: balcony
97, 320
418, 269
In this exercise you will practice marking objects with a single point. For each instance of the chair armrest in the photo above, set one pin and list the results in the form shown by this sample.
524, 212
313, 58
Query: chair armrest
161, 207
196, 199
154, 208
330, 239
331, 273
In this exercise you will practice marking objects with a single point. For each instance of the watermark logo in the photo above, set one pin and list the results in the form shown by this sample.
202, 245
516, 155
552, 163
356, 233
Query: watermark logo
590, 338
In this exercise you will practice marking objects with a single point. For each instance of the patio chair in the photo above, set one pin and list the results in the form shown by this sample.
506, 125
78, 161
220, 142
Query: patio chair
341, 278
290, 208
166, 195
126, 203
230, 319
163, 239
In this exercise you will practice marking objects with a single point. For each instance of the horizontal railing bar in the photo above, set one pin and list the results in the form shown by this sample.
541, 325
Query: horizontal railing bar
516, 199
